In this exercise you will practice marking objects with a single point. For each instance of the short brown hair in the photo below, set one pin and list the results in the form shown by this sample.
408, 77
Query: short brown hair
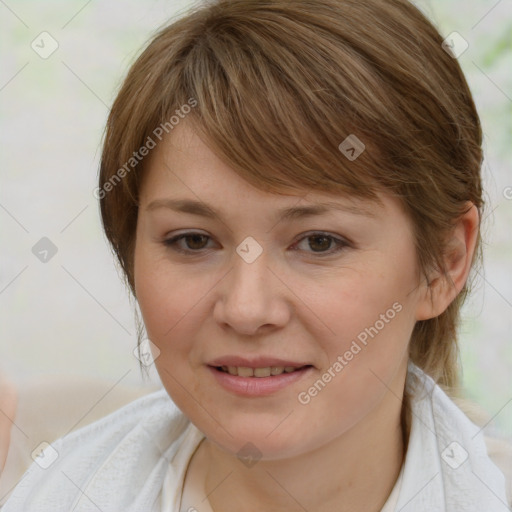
278, 85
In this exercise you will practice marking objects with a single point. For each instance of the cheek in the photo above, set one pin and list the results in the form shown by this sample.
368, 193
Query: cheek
161, 295
372, 323
172, 302
160, 288
365, 303
167, 306
370, 316
157, 303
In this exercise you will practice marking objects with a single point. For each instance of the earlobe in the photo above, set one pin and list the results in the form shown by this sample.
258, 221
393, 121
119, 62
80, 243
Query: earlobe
460, 247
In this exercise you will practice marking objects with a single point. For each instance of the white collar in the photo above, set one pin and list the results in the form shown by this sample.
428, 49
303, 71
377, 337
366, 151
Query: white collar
447, 468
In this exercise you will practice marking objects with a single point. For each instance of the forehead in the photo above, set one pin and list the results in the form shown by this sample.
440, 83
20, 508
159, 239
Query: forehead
185, 173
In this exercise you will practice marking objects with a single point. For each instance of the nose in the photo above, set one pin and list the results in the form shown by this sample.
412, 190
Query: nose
252, 298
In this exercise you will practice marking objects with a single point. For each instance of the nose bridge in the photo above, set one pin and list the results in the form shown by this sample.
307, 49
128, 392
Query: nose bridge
250, 296
250, 280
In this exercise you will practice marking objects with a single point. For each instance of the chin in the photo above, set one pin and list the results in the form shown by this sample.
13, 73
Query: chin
255, 437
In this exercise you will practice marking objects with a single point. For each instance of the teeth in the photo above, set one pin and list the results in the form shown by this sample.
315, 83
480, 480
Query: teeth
262, 372
243, 371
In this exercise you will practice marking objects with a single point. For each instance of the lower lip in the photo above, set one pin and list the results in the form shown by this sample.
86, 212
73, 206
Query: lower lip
258, 386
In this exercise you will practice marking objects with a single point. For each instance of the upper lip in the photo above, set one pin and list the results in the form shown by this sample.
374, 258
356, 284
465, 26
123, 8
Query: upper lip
255, 362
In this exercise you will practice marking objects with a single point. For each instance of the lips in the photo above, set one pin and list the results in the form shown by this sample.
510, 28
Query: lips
258, 381
257, 367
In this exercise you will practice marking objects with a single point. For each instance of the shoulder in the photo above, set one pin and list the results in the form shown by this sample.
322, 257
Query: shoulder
138, 418
116, 453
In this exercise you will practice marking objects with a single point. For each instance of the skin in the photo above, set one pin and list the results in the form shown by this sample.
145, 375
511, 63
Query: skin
344, 449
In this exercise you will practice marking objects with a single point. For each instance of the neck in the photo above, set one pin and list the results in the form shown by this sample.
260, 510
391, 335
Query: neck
356, 471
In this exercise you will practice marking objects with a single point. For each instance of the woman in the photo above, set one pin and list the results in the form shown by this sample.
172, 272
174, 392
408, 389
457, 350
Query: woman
293, 191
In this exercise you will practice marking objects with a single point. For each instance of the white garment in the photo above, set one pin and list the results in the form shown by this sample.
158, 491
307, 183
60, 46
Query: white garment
134, 460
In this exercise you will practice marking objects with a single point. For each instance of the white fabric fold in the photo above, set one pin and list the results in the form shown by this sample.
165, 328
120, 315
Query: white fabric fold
134, 460
447, 467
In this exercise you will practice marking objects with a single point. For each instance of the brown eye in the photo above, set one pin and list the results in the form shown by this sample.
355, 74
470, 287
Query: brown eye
322, 244
194, 242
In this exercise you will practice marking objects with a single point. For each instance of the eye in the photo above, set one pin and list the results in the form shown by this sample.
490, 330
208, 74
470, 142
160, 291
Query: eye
322, 243
194, 242
319, 243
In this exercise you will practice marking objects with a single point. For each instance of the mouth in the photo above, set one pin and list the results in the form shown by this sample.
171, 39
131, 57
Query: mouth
258, 378
261, 372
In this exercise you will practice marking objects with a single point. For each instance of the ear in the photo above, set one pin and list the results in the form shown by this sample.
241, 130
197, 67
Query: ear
459, 249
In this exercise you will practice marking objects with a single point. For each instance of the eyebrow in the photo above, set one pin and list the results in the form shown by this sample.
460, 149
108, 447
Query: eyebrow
293, 213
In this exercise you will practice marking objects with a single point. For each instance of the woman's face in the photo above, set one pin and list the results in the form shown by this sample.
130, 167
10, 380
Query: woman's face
265, 281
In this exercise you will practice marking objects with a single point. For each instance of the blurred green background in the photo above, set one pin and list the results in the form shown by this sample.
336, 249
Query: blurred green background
72, 315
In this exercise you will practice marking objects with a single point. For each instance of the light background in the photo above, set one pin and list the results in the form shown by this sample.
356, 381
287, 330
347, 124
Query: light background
72, 315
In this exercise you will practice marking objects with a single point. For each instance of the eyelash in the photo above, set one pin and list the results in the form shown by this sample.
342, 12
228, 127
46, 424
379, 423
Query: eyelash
171, 243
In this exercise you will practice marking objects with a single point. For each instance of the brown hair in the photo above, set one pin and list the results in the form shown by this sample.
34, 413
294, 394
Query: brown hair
277, 85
